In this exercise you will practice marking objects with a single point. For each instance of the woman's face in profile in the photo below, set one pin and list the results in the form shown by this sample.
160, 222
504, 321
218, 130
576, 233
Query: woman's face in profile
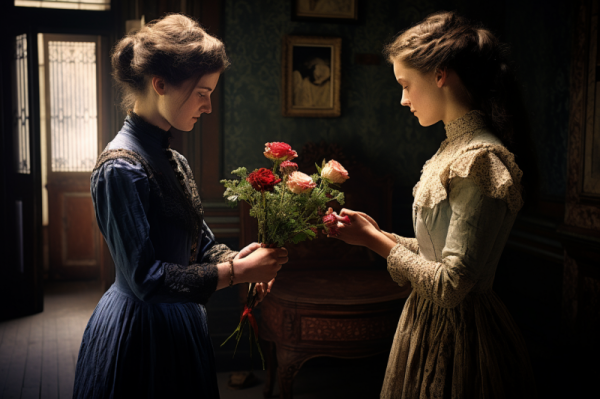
181, 112
420, 93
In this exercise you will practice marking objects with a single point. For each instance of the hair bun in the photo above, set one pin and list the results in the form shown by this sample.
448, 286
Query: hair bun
122, 61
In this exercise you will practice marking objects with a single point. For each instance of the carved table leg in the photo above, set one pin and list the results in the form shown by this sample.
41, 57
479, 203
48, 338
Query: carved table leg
289, 365
271, 365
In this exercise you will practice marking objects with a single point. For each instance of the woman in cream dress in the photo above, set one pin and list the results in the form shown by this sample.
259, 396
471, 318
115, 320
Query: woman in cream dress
455, 338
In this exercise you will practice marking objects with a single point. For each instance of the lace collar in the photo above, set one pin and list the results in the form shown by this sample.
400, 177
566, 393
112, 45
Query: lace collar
147, 132
469, 122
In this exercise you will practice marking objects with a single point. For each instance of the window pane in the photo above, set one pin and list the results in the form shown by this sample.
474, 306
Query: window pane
73, 106
94, 5
21, 109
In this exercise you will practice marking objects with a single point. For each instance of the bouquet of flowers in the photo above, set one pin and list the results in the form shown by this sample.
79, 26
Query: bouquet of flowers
290, 207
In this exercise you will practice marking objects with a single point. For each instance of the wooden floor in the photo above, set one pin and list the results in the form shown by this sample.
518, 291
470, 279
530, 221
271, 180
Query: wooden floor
38, 355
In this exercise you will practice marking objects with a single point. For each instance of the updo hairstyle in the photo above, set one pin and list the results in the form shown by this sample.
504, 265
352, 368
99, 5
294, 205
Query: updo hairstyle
447, 40
174, 48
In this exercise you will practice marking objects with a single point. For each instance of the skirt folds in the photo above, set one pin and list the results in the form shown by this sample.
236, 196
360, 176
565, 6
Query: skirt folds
133, 349
474, 350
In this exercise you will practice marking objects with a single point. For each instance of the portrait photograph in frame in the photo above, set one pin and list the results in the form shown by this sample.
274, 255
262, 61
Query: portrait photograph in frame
325, 10
311, 75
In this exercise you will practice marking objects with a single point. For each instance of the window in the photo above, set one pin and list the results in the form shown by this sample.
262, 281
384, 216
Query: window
93, 5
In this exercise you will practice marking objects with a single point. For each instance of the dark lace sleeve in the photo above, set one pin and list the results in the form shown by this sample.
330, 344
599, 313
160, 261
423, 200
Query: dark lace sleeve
199, 279
211, 251
196, 282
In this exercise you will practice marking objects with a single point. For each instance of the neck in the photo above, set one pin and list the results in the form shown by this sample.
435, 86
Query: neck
150, 113
455, 111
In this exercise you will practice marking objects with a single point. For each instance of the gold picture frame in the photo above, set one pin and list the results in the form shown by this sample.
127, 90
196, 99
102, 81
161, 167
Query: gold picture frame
311, 76
329, 11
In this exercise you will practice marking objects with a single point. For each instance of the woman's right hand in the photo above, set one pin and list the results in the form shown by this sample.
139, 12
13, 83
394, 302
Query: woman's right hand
260, 265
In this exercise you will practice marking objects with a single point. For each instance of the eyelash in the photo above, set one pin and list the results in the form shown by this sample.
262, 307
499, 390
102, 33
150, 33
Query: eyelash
201, 95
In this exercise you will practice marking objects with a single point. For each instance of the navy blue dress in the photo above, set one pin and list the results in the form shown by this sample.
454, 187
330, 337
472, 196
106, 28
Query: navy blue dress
148, 336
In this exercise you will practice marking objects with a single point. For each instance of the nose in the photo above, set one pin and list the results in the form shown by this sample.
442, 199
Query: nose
405, 101
207, 107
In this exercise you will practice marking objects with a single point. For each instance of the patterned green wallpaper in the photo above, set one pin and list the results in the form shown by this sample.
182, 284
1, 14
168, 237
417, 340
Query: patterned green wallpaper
373, 126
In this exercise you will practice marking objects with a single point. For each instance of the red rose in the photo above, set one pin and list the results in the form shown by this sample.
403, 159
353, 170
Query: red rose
262, 180
279, 151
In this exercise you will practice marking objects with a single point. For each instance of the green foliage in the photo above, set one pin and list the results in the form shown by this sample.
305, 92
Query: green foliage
282, 215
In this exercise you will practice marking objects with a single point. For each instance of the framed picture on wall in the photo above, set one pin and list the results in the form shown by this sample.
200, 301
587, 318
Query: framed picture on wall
325, 10
311, 75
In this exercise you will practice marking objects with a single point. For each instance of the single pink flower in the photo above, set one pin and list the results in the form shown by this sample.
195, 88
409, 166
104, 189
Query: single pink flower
299, 183
335, 172
329, 220
279, 151
288, 167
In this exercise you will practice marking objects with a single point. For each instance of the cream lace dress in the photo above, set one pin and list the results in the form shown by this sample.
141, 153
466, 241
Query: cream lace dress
455, 338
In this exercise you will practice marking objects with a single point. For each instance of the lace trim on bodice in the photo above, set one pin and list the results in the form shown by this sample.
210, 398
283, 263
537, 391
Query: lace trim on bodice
491, 166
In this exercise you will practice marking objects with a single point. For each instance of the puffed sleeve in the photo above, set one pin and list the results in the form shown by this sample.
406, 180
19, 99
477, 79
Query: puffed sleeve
121, 195
475, 222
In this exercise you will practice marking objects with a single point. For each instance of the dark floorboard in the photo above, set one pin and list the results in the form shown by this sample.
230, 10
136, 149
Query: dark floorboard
38, 353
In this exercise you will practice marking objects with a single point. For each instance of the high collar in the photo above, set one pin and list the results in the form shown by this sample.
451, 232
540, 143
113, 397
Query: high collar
145, 132
469, 122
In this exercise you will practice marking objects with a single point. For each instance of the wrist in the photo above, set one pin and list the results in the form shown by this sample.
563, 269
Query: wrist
239, 267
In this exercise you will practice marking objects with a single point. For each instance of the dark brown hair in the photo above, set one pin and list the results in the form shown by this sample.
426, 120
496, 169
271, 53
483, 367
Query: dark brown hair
447, 40
175, 48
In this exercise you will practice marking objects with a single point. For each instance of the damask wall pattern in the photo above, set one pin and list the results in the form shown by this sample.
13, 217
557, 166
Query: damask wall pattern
374, 127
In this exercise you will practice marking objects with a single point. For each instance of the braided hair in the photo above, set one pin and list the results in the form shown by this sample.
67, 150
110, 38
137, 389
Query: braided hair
448, 40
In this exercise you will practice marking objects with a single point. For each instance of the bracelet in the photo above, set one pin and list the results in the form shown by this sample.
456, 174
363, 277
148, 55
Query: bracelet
231, 275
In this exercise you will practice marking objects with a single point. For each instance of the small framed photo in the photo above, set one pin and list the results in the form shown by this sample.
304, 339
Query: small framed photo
325, 10
311, 75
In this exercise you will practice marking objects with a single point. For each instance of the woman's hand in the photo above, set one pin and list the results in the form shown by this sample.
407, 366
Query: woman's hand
364, 215
256, 264
262, 289
363, 231
360, 229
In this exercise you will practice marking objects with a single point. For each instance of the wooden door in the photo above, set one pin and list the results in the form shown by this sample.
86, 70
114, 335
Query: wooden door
73, 125
21, 270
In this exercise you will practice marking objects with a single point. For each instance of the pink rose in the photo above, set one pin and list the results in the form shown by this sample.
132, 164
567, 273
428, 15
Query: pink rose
299, 183
335, 172
279, 151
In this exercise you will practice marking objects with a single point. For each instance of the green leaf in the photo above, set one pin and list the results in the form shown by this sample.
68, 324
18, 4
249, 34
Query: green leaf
299, 238
318, 168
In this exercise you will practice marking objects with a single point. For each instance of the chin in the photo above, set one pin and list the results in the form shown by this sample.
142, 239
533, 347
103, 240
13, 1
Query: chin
426, 123
185, 128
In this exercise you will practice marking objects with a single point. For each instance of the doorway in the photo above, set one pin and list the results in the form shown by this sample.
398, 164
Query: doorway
70, 126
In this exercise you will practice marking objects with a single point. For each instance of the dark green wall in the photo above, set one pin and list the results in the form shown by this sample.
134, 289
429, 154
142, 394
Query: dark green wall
373, 125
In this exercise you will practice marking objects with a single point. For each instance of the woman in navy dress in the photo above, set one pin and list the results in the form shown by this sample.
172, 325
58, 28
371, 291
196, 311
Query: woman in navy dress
148, 336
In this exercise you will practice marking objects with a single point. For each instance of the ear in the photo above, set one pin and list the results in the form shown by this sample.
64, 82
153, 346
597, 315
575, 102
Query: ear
158, 84
440, 77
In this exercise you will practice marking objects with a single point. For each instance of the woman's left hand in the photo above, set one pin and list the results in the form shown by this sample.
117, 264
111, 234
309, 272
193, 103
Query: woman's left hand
358, 232
262, 289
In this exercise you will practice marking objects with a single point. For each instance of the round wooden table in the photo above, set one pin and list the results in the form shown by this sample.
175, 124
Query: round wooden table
340, 313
